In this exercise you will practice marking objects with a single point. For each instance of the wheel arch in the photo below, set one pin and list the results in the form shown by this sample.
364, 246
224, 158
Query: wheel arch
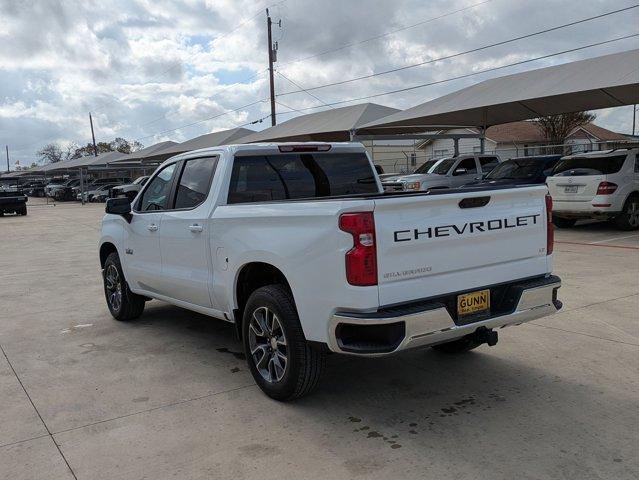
250, 277
106, 249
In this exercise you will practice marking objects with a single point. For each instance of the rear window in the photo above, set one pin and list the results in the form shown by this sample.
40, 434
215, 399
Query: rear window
579, 166
516, 170
263, 178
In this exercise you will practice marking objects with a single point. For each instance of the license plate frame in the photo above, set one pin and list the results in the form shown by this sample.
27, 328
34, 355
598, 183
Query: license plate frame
571, 189
471, 304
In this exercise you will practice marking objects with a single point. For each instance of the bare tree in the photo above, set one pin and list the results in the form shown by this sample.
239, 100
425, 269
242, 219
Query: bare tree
50, 153
557, 128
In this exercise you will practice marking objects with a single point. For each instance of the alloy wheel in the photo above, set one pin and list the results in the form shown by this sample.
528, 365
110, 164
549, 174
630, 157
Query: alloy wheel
267, 342
633, 214
113, 286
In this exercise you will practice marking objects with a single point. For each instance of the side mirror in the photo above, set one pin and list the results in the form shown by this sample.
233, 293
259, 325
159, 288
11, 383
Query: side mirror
460, 171
131, 195
118, 206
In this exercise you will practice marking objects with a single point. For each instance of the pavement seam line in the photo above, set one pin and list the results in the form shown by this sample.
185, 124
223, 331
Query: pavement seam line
598, 303
38, 412
24, 440
159, 407
584, 334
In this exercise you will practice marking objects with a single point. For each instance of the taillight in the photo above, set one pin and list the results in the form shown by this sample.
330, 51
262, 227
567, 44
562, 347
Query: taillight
606, 188
550, 228
361, 260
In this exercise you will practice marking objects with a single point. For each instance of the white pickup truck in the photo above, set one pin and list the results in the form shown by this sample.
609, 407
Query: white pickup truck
300, 248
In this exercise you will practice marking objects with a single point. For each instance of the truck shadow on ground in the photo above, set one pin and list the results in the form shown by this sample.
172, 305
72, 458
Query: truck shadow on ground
426, 401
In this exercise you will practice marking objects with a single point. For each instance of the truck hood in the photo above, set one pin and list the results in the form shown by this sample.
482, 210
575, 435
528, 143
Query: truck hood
414, 177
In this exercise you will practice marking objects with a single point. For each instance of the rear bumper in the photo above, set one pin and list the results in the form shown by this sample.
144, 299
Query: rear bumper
592, 208
386, 332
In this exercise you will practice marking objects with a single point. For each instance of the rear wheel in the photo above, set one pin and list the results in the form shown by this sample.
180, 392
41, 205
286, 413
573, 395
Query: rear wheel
23, 210
282, 362
122, 302
563, 222
629, 217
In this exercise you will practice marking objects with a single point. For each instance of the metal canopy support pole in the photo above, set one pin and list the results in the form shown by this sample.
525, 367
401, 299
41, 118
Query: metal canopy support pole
482, 140
456, 142
82, 185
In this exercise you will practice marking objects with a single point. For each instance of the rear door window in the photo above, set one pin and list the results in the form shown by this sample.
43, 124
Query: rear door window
262, 178
488, 163
195, 182
581, 166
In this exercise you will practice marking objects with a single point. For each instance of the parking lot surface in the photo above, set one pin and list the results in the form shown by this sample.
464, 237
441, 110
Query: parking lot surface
169, 395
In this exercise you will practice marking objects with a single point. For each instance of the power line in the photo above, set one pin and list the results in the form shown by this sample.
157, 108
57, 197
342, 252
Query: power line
459, 54
204, 119
223, 89
467, 75
386, 34
189, 57
302, 88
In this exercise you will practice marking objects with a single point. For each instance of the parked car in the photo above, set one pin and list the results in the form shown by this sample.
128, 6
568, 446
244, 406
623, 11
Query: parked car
95, 184
62, 190
520, 171
424, 168
601, 185
96, 192
12, 200
251, 233
449, 172
35, 189
130, 190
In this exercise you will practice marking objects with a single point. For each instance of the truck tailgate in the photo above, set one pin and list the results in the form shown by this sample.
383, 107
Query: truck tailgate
429, 245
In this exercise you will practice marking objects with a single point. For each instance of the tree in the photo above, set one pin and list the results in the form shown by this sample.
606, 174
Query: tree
557, 128
50, 153
53, 152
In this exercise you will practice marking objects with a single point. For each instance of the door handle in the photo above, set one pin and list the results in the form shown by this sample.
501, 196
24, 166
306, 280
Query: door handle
152, 227
196, 228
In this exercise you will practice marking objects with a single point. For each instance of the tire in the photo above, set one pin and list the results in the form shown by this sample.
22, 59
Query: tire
629, 218
271, 330
123, 303
563, 222
461, 345
23, 210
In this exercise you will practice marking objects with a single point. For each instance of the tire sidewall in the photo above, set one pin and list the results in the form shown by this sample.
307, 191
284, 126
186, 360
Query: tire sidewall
263, 297
114, 260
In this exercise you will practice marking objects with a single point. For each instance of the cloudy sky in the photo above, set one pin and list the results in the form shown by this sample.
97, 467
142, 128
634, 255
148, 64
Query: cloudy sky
155, 70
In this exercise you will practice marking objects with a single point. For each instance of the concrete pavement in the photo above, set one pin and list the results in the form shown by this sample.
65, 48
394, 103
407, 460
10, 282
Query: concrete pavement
169, 396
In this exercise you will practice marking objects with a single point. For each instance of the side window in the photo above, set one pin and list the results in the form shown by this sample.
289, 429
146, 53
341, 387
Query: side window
195, 182
156, 196
468, 164
488, 163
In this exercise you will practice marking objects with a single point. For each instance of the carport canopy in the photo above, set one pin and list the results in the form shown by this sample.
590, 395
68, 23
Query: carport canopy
332, 125
600, 82
147, 151
214, 139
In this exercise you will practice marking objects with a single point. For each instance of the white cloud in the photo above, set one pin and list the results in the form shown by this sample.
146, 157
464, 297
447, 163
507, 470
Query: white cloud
147, 67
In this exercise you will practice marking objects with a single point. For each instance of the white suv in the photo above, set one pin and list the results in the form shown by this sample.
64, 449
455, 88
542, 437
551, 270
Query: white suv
602, 185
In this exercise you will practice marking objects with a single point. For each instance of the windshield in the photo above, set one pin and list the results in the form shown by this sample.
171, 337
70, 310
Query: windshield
579, 166
426, 166
444, 166
516, 170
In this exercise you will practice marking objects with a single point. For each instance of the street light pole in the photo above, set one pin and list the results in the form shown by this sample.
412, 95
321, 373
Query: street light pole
95, 149
7, 148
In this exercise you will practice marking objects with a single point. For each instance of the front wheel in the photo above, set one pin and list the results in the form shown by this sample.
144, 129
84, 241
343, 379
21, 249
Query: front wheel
563, 222
629, 218
282, 362
122, 302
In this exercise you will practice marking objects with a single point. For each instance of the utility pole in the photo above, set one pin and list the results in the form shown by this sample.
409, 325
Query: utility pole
634, 118
95, 149
272, 58
7, 148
